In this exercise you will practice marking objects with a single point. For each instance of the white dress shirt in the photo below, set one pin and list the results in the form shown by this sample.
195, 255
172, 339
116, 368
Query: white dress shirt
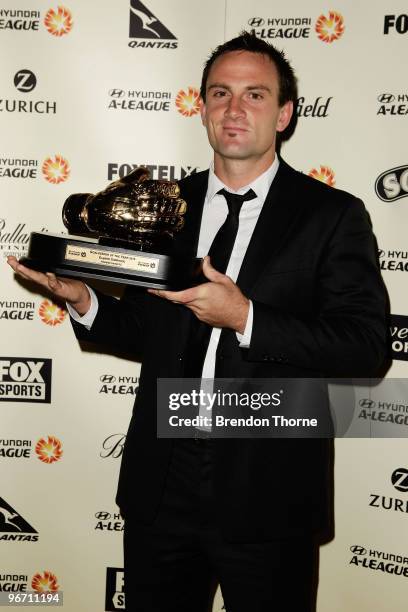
215, 212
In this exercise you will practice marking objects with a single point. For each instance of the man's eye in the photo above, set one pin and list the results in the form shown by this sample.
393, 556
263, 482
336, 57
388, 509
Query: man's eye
219, 94
255, 96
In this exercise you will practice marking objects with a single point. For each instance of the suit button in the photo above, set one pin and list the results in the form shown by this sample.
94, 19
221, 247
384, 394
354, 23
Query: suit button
265, 357
180, 358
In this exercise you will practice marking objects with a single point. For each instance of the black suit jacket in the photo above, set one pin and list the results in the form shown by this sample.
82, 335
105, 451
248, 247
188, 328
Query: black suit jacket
319, 310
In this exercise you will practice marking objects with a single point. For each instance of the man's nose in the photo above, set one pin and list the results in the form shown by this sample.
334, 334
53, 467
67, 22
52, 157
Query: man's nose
234, 108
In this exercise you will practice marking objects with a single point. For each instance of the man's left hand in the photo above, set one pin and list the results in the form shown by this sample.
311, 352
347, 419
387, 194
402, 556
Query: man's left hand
220, 302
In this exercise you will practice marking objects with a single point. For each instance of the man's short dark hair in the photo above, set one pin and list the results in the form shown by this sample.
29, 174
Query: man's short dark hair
249, 42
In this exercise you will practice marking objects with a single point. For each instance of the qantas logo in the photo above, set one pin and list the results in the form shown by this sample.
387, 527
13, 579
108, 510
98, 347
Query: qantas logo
143, 24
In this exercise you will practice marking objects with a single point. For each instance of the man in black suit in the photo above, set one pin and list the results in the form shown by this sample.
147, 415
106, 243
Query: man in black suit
297, 293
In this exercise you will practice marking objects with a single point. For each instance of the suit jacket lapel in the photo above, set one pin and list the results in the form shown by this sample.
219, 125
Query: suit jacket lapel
278, 214
194, 192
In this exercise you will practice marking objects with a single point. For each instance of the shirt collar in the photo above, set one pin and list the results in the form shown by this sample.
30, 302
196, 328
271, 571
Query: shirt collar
260, 185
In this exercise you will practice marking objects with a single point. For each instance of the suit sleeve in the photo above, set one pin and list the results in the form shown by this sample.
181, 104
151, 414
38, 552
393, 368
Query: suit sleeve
345, 335
119, 324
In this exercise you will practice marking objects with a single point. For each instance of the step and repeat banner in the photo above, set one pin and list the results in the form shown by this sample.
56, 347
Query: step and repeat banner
91, 90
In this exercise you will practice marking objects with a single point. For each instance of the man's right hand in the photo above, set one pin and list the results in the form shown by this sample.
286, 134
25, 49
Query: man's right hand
72, 291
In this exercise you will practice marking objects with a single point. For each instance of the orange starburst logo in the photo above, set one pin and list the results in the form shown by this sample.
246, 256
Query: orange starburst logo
325, 174
50, 450
188, 103
55, 170
330, 28
50, 313
58, 22
45, 583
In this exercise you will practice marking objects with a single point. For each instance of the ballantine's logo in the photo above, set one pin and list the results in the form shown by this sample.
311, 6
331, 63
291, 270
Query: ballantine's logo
112, 446
58, 22
55, 170
325, 175
50, 450
47, 582
50, 313
188, 103
330, 28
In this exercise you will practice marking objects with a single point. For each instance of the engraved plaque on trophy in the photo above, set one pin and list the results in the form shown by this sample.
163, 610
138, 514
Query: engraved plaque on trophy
122, 234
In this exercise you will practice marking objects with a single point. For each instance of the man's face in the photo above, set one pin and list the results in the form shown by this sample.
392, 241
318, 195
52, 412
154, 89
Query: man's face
241, 112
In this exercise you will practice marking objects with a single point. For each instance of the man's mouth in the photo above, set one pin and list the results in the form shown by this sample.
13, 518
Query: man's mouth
233, 130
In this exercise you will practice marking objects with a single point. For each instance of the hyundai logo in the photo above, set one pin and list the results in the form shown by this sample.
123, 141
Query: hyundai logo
366, 403
102, 516
116, 93
256, 22
386, 98
358, 550
107, 378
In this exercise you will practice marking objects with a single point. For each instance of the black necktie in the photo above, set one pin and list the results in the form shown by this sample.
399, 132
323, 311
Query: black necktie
220, 253
223, 243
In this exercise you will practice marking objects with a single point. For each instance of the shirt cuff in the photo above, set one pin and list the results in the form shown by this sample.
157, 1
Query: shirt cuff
245, 338
89, 317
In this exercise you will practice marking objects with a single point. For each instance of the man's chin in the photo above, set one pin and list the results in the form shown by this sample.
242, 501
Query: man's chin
233, 152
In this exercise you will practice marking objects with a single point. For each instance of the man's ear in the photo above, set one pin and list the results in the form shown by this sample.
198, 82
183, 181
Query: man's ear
285, 115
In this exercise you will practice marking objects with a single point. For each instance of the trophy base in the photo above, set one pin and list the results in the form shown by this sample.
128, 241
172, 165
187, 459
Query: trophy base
86, 258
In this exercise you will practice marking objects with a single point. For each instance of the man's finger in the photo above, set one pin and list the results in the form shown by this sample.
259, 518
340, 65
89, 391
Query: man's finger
53, 281
28, 274
211, 273
180, 297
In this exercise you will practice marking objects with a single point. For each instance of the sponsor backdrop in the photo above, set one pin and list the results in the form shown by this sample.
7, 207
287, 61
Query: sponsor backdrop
90, 90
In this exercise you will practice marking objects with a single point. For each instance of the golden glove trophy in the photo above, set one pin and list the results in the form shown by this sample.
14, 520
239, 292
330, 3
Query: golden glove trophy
122, 234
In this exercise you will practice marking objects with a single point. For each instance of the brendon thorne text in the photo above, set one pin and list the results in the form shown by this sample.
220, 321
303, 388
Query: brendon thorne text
276, 420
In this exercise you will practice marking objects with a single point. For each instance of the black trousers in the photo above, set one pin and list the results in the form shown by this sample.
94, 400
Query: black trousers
175, 564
